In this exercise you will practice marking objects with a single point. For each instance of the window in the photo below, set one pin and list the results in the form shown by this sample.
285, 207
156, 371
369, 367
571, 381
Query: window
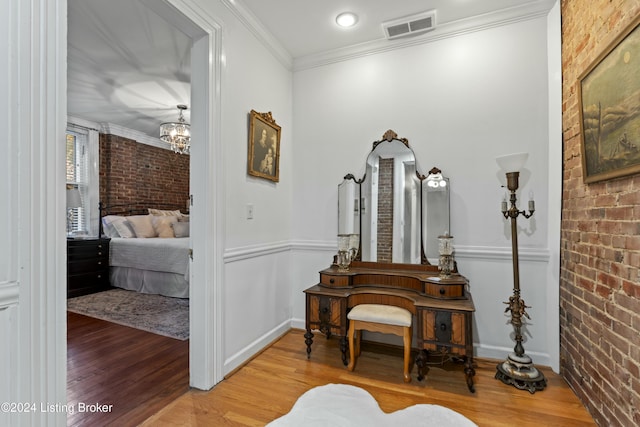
78, 178
82, 159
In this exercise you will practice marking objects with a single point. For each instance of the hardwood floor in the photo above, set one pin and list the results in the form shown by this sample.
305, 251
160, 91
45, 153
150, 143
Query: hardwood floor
136, 372
267, 387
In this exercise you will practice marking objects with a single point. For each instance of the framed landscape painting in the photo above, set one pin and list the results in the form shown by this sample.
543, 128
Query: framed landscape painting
264, 146
609, 96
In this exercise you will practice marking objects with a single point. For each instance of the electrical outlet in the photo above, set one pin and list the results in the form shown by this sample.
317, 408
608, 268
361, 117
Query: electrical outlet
250, 211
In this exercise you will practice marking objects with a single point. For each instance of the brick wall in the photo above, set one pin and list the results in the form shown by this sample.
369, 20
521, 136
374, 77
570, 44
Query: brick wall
600, 249
131, 172
385, 210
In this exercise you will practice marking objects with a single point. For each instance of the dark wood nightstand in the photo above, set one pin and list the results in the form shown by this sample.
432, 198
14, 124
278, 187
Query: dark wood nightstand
87, 266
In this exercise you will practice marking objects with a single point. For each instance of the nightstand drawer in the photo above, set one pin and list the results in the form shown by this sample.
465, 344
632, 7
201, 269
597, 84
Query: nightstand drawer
93, 278
79, 249
87, 266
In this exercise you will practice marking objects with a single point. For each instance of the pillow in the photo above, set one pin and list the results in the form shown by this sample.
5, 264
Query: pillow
107, 226
183, 218
181, 229
142, 225
116, 226
162, 212
123, 228
162, 225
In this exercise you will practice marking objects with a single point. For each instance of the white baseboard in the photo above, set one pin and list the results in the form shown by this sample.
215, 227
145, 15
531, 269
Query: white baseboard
255, 347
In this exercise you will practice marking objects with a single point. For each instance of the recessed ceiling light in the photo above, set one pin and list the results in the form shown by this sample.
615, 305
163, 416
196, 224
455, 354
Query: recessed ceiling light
347, 19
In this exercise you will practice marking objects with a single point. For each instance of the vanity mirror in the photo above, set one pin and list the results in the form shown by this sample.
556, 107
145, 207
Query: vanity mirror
398, 212
401, 216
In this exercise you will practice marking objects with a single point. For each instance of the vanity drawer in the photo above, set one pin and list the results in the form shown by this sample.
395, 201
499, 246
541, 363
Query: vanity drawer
335, 280
453, 288
443, 330
444, 291
326, 314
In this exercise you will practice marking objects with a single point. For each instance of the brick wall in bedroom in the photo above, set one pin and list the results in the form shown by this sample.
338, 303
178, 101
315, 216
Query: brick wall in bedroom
131, 172
600, 247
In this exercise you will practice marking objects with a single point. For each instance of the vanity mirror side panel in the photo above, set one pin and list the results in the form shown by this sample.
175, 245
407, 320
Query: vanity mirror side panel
436, 219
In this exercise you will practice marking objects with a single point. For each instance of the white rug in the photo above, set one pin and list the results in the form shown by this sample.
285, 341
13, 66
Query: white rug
341, 405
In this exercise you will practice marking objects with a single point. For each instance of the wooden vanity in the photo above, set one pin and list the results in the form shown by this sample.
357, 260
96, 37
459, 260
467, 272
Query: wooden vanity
442, 308
399, 216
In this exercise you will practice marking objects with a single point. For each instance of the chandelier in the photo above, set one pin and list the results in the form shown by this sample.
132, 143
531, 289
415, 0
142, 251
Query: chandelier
177, 134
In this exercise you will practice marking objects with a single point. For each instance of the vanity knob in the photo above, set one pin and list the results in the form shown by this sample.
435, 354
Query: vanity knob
325, 309
332, 281
443, 326
442, 291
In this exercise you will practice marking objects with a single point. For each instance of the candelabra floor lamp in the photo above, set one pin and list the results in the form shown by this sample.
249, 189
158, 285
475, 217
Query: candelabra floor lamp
518, 370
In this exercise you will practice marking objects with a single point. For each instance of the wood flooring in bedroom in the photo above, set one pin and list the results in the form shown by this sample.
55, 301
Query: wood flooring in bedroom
137, 372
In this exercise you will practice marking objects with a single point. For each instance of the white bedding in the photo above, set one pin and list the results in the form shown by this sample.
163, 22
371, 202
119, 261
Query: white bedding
156, 254
151, 265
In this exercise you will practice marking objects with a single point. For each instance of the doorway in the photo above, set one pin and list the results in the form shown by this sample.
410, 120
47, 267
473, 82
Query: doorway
206, 268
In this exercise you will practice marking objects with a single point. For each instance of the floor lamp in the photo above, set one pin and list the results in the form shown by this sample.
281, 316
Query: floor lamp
518, 370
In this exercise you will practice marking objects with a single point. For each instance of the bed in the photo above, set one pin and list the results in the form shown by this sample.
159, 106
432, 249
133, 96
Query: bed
149, 249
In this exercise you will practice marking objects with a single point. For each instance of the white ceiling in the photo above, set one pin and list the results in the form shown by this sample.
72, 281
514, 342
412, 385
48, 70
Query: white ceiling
129, 67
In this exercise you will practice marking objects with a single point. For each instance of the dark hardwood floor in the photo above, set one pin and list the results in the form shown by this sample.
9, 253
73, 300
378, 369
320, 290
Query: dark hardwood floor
136, 372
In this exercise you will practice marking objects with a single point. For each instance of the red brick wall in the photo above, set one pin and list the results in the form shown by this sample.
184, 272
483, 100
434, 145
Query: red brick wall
385, 210
600, 249
132, 172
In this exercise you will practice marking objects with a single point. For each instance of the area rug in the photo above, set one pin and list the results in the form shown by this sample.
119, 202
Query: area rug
153, 313
342, 405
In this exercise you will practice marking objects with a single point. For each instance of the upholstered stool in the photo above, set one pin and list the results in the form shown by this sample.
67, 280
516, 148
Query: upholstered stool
387, 319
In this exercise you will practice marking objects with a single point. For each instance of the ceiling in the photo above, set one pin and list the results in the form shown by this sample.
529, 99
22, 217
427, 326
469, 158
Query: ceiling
129, 67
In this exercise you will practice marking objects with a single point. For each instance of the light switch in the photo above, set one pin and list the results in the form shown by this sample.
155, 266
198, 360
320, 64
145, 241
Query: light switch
250, 211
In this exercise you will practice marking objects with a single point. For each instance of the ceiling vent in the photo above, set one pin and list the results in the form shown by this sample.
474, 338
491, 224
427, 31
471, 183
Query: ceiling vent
410, 25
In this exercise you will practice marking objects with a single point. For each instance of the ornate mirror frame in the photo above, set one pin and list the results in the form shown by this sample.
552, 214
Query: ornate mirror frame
398, 212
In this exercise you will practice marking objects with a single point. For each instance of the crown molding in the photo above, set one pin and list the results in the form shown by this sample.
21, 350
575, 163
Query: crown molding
253, 24
143, 138
442, 31
83, 123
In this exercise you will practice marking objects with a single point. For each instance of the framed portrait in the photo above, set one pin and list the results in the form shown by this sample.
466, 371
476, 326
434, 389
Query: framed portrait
609, 97
264, 146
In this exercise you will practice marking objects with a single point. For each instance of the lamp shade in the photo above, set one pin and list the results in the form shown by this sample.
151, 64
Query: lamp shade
512, 162
73, 198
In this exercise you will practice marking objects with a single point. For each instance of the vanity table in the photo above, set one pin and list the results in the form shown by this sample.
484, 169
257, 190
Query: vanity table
443, 307
398, 220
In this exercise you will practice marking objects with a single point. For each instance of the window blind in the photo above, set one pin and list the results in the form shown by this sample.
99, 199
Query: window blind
77, 175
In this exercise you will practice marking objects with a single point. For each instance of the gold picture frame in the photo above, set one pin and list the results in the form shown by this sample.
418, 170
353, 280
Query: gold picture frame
608, 96
264, 146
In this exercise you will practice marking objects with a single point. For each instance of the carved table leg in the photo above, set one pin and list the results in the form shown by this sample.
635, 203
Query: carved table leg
469, 372
421, 363
344, 347
308, 340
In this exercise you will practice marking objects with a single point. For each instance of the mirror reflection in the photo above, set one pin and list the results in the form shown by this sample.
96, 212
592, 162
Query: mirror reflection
398, 212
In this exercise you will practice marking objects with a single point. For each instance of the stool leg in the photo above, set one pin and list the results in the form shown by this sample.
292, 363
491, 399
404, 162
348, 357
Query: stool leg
352, 352
407, 353
358, 339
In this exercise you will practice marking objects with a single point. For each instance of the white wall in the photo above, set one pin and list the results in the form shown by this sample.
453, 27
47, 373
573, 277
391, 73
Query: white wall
461, 101
255, 284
